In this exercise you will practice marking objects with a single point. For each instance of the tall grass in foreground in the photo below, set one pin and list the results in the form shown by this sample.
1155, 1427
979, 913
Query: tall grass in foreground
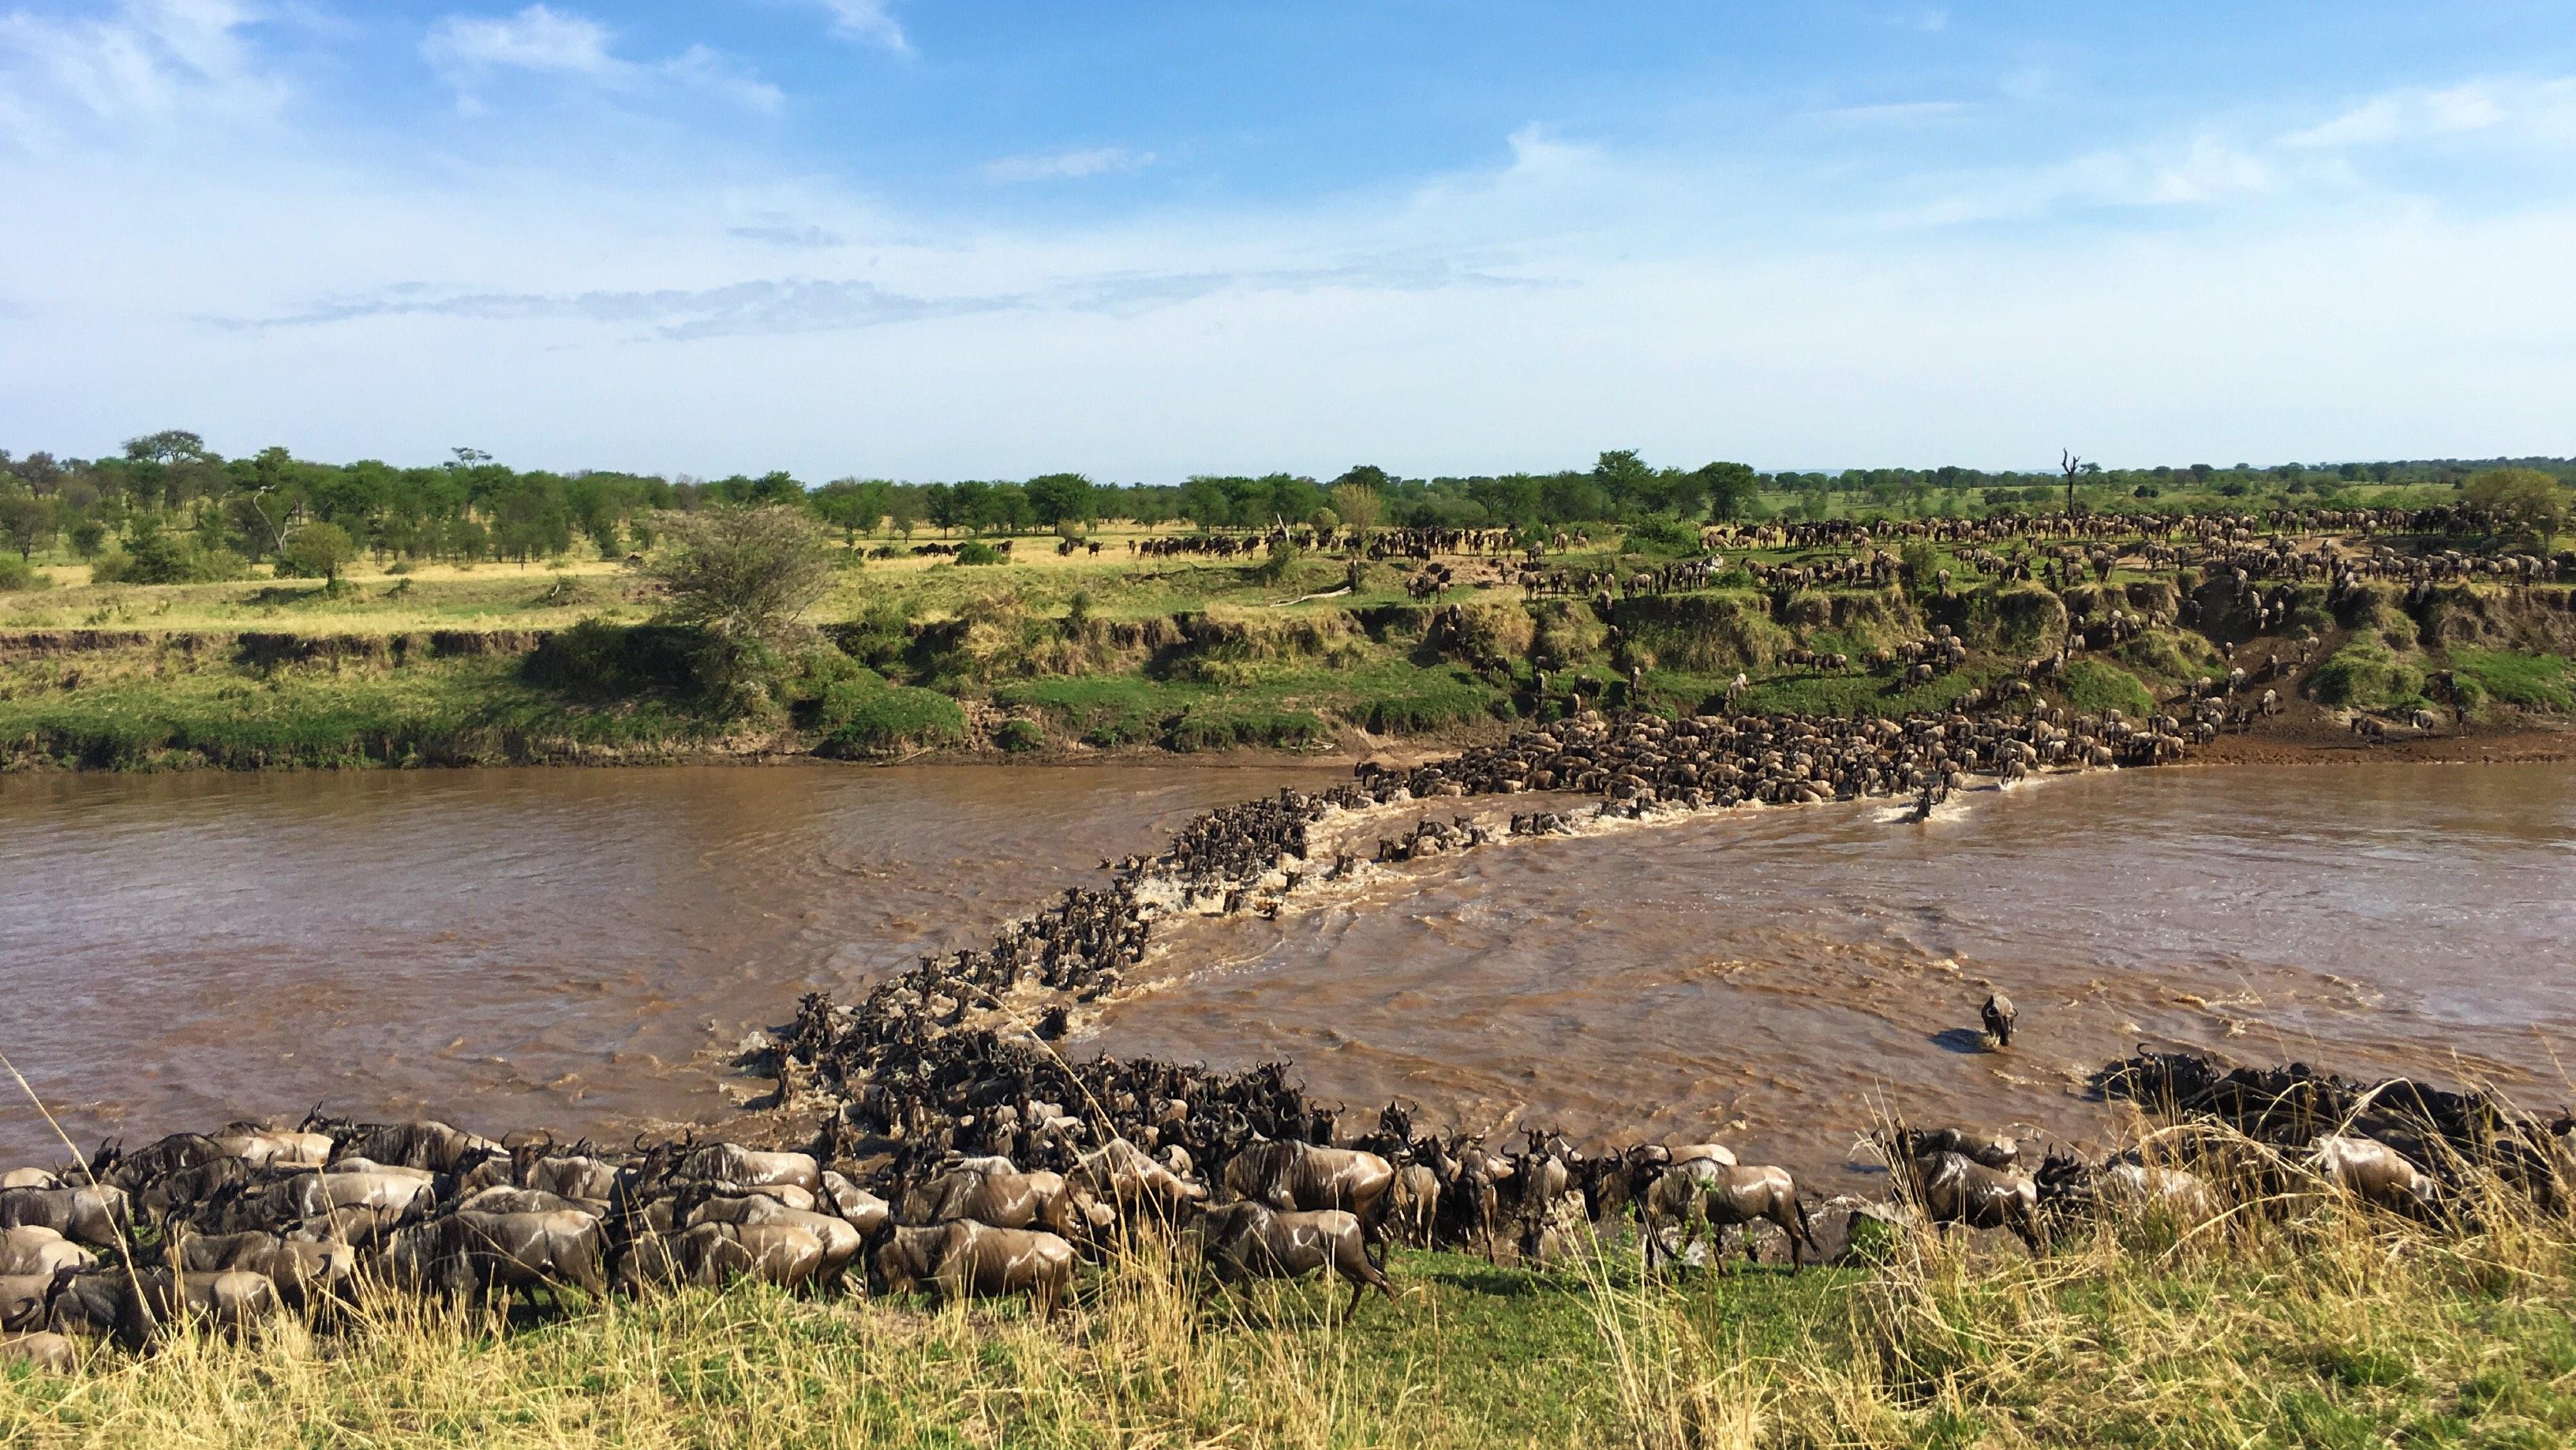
2296, 1320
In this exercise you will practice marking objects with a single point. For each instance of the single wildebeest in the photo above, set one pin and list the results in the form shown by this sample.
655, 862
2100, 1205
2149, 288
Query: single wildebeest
1252, 1240
91, 1214
1994, 1150
427, 1144
1124, 1175
504, 1199
1293, 1176
857, 1207
2374, 1173
1704, 1192
1005, 1199
461, 1253
715, 1254
1954, 1188
304, 1271
962, 1258
103, 1302
43, 1349
129, 1171
749, 1168
572, 1177
36, 1249
841, 1240
1999, 1015
1413, 1204
23, 1301
294, 1199
274, 1147
2153, 1188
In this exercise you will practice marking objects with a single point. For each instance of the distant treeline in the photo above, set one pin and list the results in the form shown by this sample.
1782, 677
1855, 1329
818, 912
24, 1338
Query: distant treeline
169, 509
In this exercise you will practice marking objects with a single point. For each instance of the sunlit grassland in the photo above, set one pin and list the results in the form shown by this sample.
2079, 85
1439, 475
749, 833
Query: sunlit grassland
2333, 1326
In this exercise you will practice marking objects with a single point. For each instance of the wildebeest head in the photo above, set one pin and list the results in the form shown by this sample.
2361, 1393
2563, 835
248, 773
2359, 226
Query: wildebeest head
907, 1260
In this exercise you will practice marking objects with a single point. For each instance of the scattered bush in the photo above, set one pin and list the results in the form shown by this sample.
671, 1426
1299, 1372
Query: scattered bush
976, 551
600, 660
1656, 534
17, 574
1018, 735
156, 556
2366, 675
2093, 686
864, 715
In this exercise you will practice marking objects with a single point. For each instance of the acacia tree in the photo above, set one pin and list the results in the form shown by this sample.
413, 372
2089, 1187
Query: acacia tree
319, 551
1358, 505
2522, 499
743, 579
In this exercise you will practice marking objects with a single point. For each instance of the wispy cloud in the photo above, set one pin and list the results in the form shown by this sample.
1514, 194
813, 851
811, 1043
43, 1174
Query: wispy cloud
869, 22
1895, 113
785, 306
143, 60
2539, 109
756, 308
467, 51
1069, 165
780, 232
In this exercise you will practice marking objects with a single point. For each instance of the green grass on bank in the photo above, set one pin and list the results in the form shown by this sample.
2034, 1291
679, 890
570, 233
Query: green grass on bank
2334, 1327
149, 707
1075, 652
2533, 682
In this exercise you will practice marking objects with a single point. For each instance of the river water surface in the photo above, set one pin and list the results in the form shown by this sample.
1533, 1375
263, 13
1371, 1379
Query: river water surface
575, 948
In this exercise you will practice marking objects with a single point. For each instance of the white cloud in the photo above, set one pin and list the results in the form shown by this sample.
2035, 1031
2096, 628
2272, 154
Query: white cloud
866, 21
697, 305
1895, 113
2542, 110
147, 61
1069, 165
540, 40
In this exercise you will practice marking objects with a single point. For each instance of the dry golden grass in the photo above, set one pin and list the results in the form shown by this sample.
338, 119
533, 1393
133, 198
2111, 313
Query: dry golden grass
2299, 1321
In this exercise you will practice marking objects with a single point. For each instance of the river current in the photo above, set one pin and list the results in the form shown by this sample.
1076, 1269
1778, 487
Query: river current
581, 949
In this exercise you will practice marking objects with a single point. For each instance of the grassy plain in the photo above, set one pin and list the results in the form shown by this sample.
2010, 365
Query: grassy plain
1051, 654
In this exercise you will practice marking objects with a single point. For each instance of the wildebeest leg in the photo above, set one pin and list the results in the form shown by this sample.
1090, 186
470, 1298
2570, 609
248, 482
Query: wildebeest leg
1780, 1214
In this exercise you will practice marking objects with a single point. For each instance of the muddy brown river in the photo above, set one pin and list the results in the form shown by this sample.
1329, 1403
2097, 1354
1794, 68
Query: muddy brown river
579, 948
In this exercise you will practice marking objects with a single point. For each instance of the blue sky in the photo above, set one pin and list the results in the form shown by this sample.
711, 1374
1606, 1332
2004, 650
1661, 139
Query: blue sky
924, 238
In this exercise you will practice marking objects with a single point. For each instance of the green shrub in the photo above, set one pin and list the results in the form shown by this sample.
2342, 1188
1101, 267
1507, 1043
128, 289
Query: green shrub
156, 556
1656, 534
1281, 560
17, 574
600, 660
976, 551
863, 715
1218, 722
2093, 686
1019, 735
2365, 674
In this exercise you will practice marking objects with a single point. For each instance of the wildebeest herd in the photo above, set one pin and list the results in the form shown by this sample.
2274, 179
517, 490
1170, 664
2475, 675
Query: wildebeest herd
956, 1149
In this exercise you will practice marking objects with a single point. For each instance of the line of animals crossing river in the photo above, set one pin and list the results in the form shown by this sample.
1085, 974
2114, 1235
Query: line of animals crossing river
958, 1148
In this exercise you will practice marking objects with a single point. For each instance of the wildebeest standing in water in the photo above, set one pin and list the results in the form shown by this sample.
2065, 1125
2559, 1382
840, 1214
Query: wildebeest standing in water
1999, 1015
